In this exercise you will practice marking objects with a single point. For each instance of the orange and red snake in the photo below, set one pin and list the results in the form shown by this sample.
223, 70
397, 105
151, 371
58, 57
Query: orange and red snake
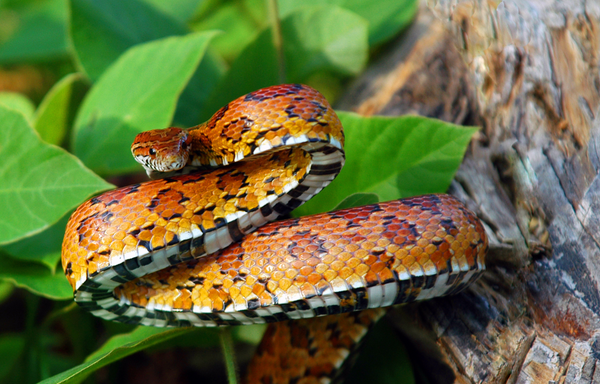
197, 249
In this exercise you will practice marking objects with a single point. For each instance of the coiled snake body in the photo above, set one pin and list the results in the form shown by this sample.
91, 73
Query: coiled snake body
185, 250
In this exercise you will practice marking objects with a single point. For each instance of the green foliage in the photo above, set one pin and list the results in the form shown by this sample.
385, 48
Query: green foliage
122, 67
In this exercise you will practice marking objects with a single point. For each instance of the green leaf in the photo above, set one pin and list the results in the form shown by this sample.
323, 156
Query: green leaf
198, 89
382, 25
324, 38
102, 30
239, 26
382, 358
137, 93
394, 158
255, 68
358, 199
44, 247
39, 182
37, 32
57, 110
18, 102
35, 277
315, 39
180, 10
11, 347
114, 349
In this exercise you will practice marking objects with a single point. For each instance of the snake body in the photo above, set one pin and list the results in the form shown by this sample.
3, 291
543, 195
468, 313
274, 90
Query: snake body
196, 249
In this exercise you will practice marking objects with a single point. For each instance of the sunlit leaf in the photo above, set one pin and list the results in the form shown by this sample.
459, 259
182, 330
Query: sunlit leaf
394, 157
315, 39
56, 112
35, 277
114, 349
39, 182
133, 96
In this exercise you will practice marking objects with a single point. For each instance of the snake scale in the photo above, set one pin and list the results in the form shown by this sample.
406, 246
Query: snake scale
200, 247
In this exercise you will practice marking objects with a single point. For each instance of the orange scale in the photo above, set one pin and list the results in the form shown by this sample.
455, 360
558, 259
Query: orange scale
422, 243
124, 226
372, 278
321, 268
277, 275
283, 266
466, 244
308, 290
361, 253
116, 245
370, 259
344, 256
430, 249
345, 272
408, 260
329, 275
353, 262
368, 245
416, 251
258, 289
352, 247
378, 267
259, 263
362, 270
313, 261
245, 291
334, 251
285, 284
306, 270
314, 278
292, 273
328, 259
268, 269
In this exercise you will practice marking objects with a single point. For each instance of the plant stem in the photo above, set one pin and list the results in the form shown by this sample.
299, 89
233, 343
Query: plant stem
277, 37
228, 354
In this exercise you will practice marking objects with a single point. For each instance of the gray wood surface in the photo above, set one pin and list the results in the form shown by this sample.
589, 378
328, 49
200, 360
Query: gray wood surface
527, 72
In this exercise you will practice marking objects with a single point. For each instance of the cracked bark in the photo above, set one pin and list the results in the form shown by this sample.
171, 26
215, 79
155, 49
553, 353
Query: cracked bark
527, 72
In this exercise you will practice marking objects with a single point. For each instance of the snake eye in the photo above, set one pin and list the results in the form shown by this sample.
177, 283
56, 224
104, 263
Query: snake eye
152, 151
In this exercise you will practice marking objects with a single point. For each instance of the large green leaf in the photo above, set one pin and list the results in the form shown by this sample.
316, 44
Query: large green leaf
324, 39
180, 10
137, 93
56, 112
102, 30
18, 102
35, 277
39, 182
43, 247
396, 14
37, 31
114, 349
394, 158
315, 39
239, 25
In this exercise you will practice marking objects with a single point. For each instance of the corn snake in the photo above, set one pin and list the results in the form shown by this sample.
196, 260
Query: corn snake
159, 253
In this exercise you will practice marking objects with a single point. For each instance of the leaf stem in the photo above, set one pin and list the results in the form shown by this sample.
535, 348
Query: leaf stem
277, 37
228, 354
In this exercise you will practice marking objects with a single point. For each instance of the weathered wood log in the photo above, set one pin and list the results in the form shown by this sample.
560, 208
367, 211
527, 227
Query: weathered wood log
528, 73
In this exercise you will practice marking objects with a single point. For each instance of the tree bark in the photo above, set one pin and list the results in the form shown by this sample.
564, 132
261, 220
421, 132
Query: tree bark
527, 72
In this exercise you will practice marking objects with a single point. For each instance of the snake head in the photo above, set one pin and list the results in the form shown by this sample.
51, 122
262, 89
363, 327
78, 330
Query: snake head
162, 150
